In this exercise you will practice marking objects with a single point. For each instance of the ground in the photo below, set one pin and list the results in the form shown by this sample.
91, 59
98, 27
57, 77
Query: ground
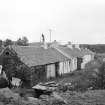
63, 97
91, 97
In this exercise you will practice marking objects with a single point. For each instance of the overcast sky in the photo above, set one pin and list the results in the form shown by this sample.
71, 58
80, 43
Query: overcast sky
78, 21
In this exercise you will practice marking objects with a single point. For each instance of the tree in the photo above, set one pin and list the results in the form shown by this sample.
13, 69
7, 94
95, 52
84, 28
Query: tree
8, 42
23, 41
19, 42
1, 43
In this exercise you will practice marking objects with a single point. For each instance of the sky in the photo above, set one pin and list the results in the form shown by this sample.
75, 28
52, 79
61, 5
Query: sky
78, 21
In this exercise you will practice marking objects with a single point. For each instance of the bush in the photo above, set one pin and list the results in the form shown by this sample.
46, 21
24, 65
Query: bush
3, 82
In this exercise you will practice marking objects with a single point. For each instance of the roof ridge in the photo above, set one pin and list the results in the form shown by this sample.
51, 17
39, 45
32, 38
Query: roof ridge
27, 46
63, 53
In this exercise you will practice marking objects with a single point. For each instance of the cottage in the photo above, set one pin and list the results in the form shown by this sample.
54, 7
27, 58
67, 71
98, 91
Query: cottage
70, 53
83, 56
41, 63
79, 57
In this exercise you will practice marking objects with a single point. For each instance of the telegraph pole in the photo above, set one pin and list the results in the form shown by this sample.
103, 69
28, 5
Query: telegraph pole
50, 34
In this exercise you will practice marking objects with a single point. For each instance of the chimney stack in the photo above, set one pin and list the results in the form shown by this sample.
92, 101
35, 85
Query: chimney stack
54, 44
45, 46
70, 45
77, 46
43, 38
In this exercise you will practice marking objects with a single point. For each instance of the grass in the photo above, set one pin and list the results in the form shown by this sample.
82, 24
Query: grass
93, 97
67, 77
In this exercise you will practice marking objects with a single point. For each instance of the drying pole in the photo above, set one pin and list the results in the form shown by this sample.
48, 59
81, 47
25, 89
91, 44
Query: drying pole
50, 34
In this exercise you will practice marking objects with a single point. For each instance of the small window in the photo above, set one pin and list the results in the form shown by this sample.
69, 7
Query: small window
7, 53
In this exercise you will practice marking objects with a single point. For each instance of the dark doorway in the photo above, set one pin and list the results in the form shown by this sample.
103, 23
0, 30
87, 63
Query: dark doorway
79, 61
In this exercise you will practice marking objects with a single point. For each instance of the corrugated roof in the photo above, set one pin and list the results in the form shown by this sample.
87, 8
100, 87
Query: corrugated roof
33, 56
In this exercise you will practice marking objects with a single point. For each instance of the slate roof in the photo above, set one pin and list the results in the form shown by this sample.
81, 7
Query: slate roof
74, 52
87, 51
36, 44
39, 44
70, 52
33, 56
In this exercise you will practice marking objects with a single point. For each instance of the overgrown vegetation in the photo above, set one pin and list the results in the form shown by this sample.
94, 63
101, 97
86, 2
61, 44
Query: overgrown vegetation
23, 73
85, 87
98, 48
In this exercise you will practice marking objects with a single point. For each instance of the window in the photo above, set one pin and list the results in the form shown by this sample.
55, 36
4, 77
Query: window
7, 53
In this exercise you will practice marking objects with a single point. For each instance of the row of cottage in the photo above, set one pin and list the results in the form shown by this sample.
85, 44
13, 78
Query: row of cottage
47, 62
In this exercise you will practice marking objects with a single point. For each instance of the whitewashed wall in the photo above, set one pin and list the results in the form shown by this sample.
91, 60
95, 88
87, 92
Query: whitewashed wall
86, 59
51, 71
64, 67
73, 65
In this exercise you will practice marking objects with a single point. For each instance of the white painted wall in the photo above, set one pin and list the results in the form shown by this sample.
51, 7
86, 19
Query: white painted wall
67, 66
16, 81
0, 69
86, 59
73, 64
64, 67
51, 71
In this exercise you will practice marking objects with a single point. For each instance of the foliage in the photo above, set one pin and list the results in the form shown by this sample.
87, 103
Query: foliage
91, 97
101, 77
1, 43
92, 76
3, 82
8, 42
23, 41
98, 48
14, 68
93, 64
23, 73
10, 70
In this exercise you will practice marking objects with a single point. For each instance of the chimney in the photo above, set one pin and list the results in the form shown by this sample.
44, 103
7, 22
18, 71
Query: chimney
54, 44
43, 38
77, 46
44, 45
70, 45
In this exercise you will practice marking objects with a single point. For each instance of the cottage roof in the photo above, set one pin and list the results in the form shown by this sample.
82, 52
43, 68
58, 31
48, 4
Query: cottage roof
33, 56
74, 52
86, 51
36, 44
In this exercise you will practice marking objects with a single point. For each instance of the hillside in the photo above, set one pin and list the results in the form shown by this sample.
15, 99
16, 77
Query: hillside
98, 48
